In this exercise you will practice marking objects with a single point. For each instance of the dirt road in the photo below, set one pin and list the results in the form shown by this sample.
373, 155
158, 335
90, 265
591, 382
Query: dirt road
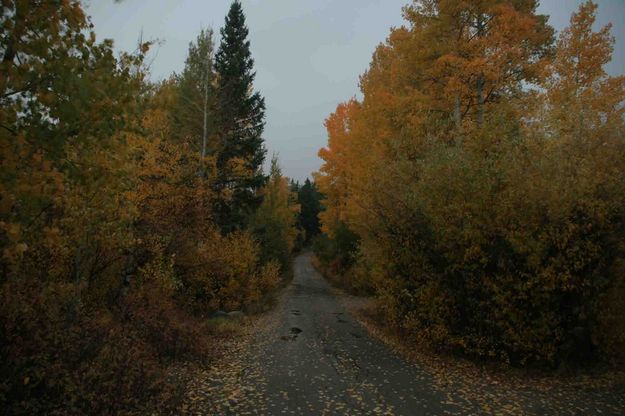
310, 356
321, 360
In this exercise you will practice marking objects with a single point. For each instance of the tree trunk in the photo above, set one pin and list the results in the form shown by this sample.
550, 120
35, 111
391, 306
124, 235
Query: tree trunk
480, 100
458, 120
205, 127
204, 133
480, 79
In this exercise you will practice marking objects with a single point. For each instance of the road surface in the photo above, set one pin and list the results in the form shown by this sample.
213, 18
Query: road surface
321, 360
310, 356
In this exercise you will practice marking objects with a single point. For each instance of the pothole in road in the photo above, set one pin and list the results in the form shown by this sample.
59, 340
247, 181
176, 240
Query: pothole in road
295, 312
294, 332
355, 335
342, 321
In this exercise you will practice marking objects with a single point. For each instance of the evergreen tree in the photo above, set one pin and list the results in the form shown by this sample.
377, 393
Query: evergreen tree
310, 201
241, 122
294, 186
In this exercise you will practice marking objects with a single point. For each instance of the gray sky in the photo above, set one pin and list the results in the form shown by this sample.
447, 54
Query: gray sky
309, 53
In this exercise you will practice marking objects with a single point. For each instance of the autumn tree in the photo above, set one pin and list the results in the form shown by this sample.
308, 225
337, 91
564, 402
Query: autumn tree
431, 169
584, 102
241, 121
65, 108
66, 219
275, 220
476, 53
194, 115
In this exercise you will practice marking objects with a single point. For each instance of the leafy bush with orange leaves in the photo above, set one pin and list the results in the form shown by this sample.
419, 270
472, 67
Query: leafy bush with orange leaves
490, 214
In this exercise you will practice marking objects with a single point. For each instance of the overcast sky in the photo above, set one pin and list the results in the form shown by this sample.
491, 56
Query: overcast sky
309, 53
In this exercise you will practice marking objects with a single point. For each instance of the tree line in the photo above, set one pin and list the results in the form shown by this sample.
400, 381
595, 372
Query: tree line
478, 186
130, 211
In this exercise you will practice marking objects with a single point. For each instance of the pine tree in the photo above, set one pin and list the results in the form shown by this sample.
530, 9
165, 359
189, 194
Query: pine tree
241, 122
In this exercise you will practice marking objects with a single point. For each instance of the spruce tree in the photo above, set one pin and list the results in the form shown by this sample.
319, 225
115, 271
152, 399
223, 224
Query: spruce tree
241, 122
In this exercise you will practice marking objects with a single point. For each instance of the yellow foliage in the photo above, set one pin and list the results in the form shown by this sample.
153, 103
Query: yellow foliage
274, 222
110, 255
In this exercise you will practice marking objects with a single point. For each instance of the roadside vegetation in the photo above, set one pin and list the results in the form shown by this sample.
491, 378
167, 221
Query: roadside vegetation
130, 212
478, 187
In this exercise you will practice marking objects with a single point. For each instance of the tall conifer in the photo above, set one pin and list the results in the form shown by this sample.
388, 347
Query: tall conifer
242, 121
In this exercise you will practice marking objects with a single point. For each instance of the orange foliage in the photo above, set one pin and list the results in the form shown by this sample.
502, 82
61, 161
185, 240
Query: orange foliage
489, 215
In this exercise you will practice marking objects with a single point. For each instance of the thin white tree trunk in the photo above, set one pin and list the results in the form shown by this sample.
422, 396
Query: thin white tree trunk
205, 129
480, 100
458, 120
